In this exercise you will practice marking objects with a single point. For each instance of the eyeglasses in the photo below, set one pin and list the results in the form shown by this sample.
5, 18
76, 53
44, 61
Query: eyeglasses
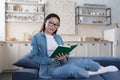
52, 24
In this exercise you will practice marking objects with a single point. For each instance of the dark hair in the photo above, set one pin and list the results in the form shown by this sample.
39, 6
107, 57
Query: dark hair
48, 17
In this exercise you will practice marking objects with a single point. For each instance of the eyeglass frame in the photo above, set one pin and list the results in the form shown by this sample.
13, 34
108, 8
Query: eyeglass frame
53, 24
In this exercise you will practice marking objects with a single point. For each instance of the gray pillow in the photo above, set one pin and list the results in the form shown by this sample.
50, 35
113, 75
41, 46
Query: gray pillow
25, 62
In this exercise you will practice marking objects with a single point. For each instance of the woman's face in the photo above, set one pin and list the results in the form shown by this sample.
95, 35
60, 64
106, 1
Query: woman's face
51, 25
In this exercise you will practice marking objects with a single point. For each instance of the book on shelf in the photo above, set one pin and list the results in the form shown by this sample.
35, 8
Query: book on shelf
63, 49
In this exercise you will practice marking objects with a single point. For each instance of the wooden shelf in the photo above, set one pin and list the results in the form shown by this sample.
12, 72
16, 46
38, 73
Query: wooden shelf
20, 12
88, 15
93, 15
25, 3
83, 23
93, 7
20, 21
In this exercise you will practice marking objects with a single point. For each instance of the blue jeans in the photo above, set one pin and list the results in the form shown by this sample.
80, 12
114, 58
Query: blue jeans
69, 70
77, 69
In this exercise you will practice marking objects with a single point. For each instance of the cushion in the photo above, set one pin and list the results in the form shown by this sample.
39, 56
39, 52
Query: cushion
25, 74
111, 75
25, 62
106, 61
93, 77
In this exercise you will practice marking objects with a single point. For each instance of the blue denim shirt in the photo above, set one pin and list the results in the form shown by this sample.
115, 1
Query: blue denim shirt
39, 48
47, 68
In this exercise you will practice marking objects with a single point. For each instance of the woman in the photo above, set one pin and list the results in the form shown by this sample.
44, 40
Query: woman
45, 42
42, 46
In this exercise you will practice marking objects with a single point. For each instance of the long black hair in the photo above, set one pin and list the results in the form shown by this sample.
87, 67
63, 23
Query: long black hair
48, 17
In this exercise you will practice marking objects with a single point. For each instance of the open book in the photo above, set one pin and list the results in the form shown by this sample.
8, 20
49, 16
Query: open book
63, 49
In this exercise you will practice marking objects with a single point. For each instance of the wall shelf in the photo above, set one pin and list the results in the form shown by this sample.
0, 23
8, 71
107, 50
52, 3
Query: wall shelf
24, 11
93, 15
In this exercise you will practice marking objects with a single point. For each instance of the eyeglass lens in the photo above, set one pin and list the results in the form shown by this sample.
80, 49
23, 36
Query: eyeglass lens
52, 24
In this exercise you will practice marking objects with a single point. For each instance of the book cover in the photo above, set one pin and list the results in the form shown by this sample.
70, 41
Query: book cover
63, 49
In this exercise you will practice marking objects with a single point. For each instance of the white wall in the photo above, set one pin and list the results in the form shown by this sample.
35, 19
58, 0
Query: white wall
81, 2
17, 30
66, 11
2, 20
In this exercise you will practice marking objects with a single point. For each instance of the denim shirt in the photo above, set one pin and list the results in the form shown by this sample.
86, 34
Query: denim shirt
38, 51
48, 67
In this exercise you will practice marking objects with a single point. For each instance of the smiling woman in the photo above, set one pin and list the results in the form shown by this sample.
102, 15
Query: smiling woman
50, 20
51, 25
44, 44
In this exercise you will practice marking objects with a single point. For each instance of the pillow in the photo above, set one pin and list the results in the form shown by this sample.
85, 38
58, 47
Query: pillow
25, 62
111, 75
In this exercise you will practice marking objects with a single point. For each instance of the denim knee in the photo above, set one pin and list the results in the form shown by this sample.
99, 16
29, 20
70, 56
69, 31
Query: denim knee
87, 64
92, 65
69, 70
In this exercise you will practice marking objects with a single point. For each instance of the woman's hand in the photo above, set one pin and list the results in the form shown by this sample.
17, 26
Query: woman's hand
61, 57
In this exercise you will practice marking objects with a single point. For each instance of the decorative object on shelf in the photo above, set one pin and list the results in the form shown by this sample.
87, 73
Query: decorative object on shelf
8, 16
17, 7
11, 39
27, 10
40, 8
116, 24
7, 0
90, 39
9, 7
42, 1
35, 18
39, 1
27, 37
